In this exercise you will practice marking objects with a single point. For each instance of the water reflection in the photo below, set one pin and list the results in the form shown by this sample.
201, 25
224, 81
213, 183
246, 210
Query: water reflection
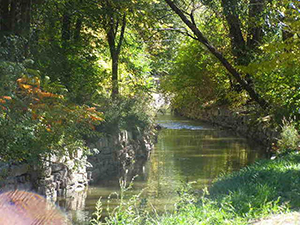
186, 151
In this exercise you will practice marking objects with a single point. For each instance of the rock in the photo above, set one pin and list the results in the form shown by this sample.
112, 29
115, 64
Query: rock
19, 170
57, 167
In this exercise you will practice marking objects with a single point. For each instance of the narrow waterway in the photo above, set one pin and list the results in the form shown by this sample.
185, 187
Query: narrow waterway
186, 151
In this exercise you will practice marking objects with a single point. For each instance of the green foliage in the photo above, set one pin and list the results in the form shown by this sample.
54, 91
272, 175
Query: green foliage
131, 113
128, 211
290, 138
35, 123
49, 107
196, 77
266, 185
276, 68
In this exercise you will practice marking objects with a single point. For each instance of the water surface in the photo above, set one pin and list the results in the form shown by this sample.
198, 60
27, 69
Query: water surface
186, 151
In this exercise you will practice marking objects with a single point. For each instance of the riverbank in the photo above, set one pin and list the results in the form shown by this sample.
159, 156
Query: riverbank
264, 189
244, 122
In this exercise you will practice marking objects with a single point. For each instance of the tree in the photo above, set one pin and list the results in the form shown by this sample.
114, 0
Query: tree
114, 22
121, 18
230, 68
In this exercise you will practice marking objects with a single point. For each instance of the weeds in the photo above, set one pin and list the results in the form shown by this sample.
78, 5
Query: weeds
290, 138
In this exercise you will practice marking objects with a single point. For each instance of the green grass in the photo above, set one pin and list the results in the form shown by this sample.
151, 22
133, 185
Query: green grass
260, 190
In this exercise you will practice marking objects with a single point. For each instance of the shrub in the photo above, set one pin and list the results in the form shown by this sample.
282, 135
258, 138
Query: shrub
35, 122
126, 113
289, 138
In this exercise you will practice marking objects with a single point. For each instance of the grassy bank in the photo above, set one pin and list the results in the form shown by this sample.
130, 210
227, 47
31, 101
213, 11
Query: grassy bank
260, 190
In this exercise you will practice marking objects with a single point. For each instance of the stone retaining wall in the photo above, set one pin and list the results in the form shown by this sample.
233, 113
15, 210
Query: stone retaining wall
57, 177
118, 154
67, 177
242, 122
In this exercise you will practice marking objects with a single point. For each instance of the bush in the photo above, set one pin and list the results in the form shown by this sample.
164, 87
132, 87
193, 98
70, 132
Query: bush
126, 113
35, 122
289, 138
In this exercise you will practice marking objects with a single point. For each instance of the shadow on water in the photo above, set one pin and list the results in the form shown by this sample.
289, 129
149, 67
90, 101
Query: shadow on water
186, 151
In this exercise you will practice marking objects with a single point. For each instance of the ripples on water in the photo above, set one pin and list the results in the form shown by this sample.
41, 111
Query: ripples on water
178, 126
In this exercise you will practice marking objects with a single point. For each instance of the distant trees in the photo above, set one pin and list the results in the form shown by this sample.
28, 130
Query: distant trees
15, 16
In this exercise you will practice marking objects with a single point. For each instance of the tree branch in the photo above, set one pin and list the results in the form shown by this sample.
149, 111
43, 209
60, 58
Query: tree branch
186, 33
201, 38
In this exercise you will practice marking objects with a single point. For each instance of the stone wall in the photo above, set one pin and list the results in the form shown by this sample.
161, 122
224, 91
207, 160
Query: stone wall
243, 123
66, 178
56, 177
115, 155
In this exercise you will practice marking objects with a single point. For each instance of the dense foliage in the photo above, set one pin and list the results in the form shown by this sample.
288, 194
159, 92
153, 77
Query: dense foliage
57, 74
74, 69
262, 43
36, 122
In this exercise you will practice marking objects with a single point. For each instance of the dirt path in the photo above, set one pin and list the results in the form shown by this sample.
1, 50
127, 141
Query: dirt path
282, 219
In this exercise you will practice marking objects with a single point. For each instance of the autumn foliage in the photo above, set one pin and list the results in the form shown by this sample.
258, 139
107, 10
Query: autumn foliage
40, 122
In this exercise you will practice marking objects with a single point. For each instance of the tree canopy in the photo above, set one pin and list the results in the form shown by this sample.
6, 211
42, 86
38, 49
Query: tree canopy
59, 59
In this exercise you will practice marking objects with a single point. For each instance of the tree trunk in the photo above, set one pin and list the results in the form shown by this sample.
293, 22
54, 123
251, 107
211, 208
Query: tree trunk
114, 57
78, 26
12, 16
255, 29
238, 44
25, 16
115, 50
114, 78
25, 23
66, 28
201, 38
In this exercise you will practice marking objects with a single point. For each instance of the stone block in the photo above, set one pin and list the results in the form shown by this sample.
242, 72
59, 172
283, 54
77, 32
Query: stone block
57, 167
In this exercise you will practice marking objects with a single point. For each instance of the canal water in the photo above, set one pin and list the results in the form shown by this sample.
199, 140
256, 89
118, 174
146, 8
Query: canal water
186, 151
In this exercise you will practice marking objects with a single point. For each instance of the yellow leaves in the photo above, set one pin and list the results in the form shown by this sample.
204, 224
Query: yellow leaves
91, 109
46, 108
95, 118
25, 86
48, 129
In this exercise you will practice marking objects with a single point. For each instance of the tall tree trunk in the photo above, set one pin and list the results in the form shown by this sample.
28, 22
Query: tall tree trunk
25, 16
201, 38
25, 23
115, 50
238, 44
78, 26
12, 16
114, 78
111, 37
255, 28
66, 28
